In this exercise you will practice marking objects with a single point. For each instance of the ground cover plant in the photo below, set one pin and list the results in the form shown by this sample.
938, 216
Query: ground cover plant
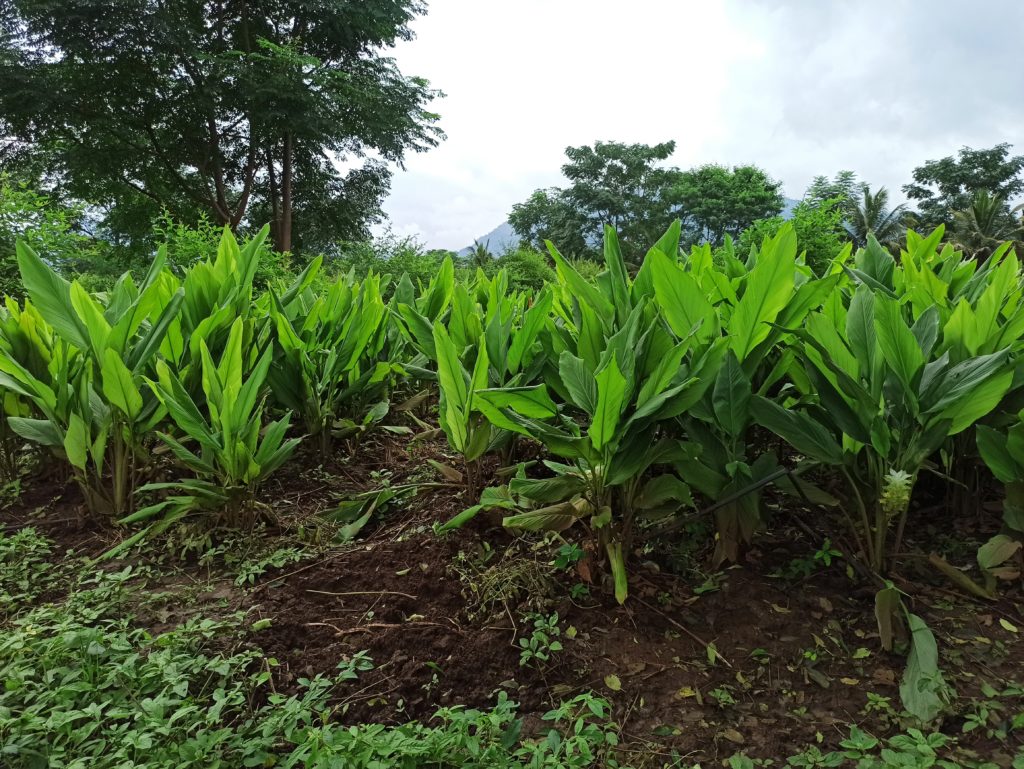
628, 461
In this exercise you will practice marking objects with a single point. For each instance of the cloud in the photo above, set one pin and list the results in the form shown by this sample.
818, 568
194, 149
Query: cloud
799, 87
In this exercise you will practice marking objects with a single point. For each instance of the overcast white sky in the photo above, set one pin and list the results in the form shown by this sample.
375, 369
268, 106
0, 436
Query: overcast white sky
799, 87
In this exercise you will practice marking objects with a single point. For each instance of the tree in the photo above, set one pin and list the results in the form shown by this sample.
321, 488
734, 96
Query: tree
869, 214
843, 185
547, 215
624, 185
231, 108
985, 224
717, 201
479, 255
943, 186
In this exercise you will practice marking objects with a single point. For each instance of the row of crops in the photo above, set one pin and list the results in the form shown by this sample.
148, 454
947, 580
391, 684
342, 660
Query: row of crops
682, 384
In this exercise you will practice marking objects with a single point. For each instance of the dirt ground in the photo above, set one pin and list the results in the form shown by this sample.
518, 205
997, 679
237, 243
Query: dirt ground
753, 658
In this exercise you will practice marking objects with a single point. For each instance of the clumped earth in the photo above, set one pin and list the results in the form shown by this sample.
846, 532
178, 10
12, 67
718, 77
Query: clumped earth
763, 659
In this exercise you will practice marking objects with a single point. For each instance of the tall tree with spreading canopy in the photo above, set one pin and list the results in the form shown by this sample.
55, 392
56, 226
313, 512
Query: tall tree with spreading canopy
624, 185
239, 109
548, 215
717, 201
941, 187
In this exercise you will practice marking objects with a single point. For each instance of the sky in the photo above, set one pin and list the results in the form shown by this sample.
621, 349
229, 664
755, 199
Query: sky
798, 87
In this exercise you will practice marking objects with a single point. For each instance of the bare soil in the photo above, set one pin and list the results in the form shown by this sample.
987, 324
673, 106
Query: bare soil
751, 658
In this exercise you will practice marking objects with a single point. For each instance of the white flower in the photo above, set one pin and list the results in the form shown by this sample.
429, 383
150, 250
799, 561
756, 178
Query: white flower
896, 492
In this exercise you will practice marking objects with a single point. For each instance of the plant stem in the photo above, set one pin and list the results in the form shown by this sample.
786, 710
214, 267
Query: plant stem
864, 541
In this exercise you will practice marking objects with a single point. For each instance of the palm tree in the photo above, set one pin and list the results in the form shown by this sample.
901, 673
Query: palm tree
985, 224
869, 214
480, 255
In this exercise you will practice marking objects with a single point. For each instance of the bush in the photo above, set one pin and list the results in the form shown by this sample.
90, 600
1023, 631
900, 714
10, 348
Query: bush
819, 231
527, 269
391, 255
188, 244
54, 231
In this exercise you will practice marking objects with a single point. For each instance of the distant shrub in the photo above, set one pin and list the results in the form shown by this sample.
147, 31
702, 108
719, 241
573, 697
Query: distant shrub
587, 268
819, 231
390, 255
527, 269
186, 244
190, 243
52, 229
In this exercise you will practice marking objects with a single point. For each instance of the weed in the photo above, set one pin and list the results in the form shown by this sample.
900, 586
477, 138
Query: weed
542, 642
251, 569
568, 556
723, 696
26, 571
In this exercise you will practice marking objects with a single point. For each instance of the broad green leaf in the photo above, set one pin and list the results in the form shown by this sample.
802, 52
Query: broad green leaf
662, 489
667, 245
91, 313
617, 275
533, 321
730, 397
146, 347
887, 606
580, 288
533, 402
834, 350
41, 431
922, 686
992, 447
119, 386
997, 551
611, 391
51, 294
558, 517
578, 381
841, 411
876, 262
439, 294
977, 402
860, 328
478, 379
455, 390
962, 381
769, 288
186, 457
926, 330
493, 497
497, 417
420, 329
76, 442
450, 373
181, 407
548, 490
244, 406
681, 300
803, 433
897, 343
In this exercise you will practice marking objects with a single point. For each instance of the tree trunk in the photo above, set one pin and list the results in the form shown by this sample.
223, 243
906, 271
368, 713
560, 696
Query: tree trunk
283, 234
275, 194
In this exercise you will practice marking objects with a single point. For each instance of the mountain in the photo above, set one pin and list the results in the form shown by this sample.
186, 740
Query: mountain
498, 241
502, 238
